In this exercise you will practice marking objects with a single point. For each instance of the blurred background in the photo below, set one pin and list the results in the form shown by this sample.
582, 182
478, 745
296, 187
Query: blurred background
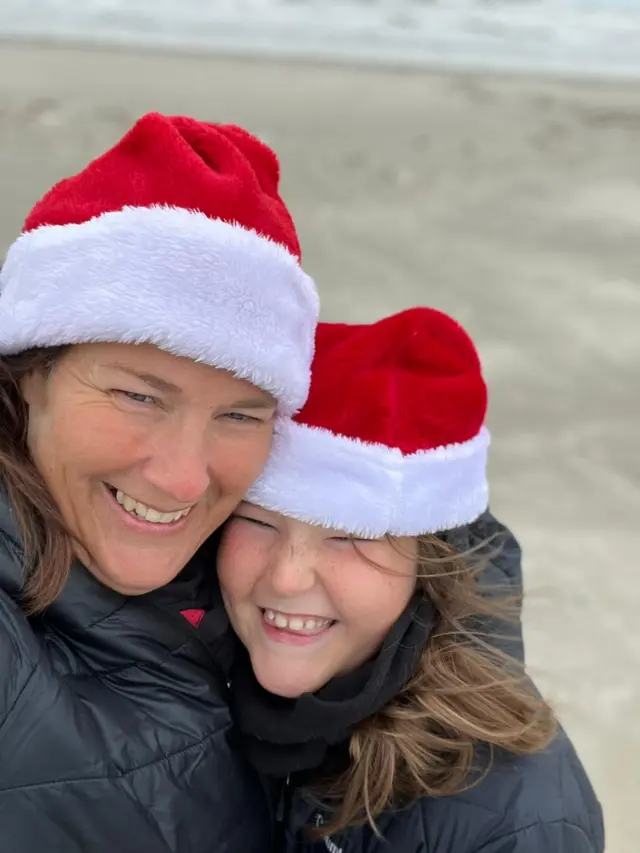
480, 157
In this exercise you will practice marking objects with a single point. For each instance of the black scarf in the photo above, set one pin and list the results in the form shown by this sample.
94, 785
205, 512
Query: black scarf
285, 736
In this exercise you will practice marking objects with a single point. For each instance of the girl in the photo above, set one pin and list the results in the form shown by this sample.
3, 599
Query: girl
135, 414
376, 691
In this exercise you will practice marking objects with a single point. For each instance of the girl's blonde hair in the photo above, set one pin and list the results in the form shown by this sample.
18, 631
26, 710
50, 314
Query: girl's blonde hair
465, 692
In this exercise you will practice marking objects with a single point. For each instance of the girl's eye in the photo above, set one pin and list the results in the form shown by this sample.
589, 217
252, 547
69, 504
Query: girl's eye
137, 398
254, 521
350, 539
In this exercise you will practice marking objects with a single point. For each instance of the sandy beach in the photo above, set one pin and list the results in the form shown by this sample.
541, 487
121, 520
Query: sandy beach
514, 204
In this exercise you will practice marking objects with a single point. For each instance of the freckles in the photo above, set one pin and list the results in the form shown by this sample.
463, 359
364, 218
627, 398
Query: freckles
237, 549
230, 549
375, 599
237, 577
242, 561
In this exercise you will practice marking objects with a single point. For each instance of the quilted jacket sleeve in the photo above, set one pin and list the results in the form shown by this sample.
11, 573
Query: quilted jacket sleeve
557, 837
18, 657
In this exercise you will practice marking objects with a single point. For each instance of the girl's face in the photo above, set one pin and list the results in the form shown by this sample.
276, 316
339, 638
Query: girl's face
307, 604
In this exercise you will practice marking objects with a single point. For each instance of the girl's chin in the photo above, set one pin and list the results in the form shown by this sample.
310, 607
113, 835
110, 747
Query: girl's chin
287, 688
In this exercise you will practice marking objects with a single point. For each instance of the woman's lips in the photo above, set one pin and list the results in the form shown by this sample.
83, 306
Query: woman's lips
141, 525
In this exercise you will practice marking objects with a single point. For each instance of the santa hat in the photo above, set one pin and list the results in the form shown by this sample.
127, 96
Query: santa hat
392, 437
176, 237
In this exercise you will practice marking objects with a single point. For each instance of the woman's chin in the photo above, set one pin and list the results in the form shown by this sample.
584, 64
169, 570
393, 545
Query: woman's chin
129, 576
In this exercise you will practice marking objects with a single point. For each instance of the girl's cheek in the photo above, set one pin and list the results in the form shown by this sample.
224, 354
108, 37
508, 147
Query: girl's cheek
373, 602
242, 557
236, 542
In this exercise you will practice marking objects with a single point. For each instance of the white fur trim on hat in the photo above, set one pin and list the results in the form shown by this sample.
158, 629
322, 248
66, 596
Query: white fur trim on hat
370, 489
197, 287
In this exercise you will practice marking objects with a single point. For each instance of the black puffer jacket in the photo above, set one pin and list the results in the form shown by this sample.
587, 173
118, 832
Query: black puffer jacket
537, 804
115, 733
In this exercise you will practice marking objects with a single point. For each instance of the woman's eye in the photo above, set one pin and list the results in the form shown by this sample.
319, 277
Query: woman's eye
240, 417
137, 398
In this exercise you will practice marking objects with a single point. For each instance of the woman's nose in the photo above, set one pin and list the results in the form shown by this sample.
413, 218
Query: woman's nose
180, 465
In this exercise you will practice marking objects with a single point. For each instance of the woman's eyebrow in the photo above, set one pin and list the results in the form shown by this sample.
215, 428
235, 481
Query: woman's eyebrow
259, 401
254, 403
149, 379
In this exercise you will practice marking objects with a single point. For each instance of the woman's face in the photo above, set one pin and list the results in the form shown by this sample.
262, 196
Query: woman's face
145, 454
305, 601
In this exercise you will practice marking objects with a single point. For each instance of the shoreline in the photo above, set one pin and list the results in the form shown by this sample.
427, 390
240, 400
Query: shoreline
537, 79
578, 45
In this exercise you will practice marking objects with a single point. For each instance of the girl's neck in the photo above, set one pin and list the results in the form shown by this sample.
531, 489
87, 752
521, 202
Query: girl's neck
285, 736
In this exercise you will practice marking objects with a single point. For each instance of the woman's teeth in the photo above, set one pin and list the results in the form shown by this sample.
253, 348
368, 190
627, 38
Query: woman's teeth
134, 507
300, 624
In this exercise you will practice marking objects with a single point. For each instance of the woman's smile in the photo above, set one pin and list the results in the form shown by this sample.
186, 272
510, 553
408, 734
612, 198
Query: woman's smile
140, 518
146, 512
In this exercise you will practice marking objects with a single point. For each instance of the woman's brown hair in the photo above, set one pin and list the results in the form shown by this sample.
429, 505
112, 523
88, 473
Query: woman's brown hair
47, 547
465, 693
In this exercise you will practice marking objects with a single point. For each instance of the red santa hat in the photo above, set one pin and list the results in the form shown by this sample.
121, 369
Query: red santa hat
176, 237
392, 437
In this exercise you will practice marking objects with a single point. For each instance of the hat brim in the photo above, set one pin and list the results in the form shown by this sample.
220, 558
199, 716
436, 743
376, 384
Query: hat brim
369, 490
202, 288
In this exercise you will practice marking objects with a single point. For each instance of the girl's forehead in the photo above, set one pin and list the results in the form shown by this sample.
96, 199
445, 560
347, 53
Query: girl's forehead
404, 544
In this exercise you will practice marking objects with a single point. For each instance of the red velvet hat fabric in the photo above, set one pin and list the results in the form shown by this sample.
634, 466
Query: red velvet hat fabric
220, 170
392, 437
411, 381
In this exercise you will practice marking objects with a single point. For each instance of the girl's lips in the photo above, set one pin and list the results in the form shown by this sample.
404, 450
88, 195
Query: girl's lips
294, 638
139, 525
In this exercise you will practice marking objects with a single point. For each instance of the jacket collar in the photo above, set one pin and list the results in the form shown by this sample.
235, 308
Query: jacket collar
112, 628
83, 600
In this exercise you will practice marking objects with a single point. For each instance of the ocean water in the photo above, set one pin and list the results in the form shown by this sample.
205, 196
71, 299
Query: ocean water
592, 37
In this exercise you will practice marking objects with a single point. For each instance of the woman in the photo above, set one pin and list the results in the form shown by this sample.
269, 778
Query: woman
375, 690
154, 323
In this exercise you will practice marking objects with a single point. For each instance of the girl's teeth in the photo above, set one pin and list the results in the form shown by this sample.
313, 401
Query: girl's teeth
146, 512
295, 623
